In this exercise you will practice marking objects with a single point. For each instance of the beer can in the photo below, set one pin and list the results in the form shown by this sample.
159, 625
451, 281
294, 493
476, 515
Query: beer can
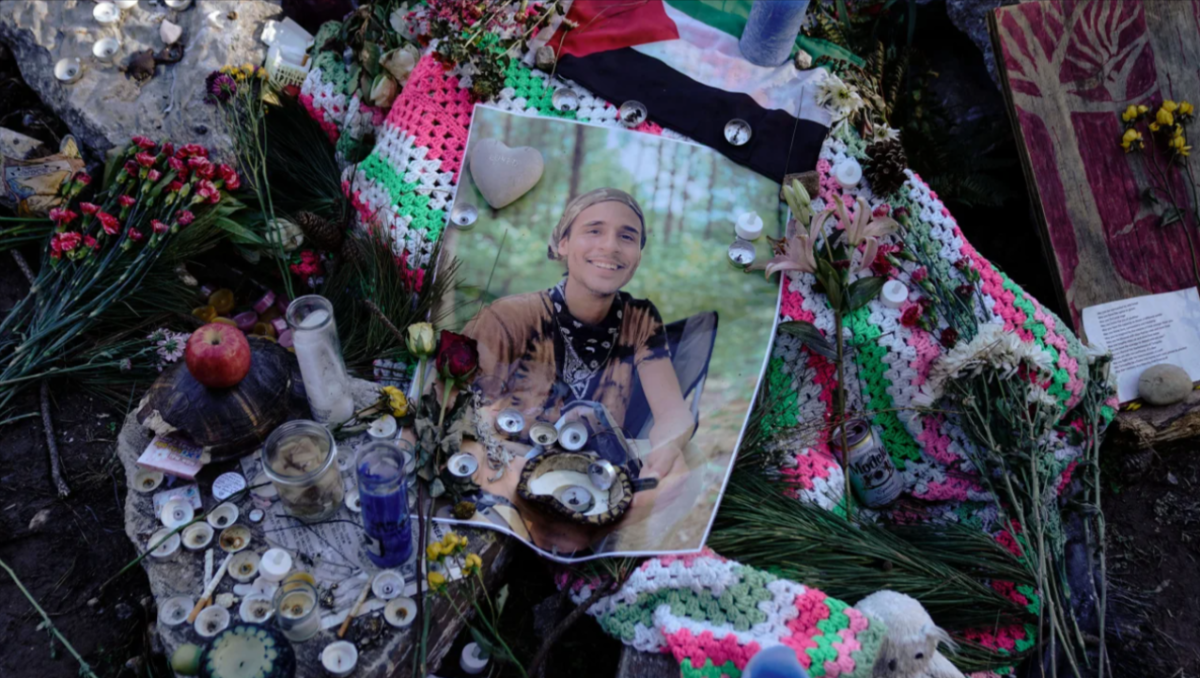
873, 476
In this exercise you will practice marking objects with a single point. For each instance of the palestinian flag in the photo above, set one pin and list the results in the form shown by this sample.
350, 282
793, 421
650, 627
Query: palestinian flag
681, 59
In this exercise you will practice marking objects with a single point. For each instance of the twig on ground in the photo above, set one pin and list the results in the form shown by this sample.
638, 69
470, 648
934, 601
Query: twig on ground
48, 427
378, 312
84, 668
535, 667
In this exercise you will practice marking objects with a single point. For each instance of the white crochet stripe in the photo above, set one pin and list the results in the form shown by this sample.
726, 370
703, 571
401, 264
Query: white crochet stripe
780, 609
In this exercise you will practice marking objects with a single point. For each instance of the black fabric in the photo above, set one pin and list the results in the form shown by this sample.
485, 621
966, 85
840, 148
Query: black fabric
700, 112
691, 342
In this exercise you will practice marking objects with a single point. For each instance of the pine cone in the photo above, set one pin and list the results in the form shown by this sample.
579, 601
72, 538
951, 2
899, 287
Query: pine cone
354, 252
321, 232
885, 171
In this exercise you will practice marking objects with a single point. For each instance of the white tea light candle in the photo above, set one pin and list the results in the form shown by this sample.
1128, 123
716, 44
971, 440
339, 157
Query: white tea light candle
339, 658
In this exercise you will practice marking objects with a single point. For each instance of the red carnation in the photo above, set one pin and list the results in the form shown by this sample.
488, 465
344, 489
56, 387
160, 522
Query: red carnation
185, 217
881, 267
175, 186
62, 216
144, 143
177, 165
207, 191
89, 208
192, 150
55, 248
911, 316
83, 179
457, 356
69, 240
920, 274
154, 175
126, 201
232, 181
965, 291
131, 168
144, 159
168, 148
89, 241
202, 167
949, 337
110, 223
159, 227
135, 235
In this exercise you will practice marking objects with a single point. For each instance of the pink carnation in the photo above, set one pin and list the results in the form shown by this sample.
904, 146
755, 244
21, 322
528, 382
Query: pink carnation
135, 235
62, 216
185, 217
91, 242
159, 227
232, 181
144, 159
89, 208
919, 274
109, 223
69, 240
126, 201
154, 175
144, 143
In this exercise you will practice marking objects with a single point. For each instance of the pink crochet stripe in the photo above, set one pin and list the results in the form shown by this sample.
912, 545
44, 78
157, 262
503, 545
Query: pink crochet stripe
936, 444
688, 559
365, 213
814, 464
927, 352
322, 117
436, 112
705, 646
1065, 479
792, 305
949, 489
812, 609
847, 645
1065, 361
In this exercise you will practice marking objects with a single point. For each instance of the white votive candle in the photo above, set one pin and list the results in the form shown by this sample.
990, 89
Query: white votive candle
339, 658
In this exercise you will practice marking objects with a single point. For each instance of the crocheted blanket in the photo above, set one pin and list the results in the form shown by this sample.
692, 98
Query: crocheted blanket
713, 614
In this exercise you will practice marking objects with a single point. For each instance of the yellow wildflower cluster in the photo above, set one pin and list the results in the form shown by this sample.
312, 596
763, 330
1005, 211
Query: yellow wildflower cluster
245, 71
450, 545
1169, 121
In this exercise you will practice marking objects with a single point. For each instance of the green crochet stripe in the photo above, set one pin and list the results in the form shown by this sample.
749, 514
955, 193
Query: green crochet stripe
869, 355
785, 411
1059, 378
708, 670
736, 606
333, 70
404, 196
528, 85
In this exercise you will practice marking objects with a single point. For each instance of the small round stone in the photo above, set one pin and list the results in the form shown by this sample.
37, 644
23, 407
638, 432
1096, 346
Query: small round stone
464, 215
565, 100
1164, 384
804, 60
632, 113
544, 58
741, 252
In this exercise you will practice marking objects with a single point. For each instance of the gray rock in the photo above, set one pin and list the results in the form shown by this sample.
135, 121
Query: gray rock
971, 17
1164, 384
104, 107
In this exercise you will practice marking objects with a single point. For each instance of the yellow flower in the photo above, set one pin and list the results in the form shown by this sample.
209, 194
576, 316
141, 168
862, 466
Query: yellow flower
395, 400
1179, 145
1186, 111
434, 551
1143, 109
1164, 117
261, 73
420, 340
436, 580
1154, 127
1130, 114
1132, 140
1169, 106
248, 69
472, 564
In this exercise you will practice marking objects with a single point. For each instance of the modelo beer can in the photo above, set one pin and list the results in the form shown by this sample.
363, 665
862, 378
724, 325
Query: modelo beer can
872, 474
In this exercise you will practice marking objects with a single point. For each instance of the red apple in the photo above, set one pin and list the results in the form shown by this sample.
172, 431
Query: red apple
218, 355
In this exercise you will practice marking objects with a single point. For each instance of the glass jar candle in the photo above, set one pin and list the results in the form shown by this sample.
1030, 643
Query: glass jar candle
296, 612
315, 339
300, 459
382, 488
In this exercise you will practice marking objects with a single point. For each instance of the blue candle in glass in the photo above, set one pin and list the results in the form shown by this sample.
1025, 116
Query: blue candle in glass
771, 31
778, 661
384, 498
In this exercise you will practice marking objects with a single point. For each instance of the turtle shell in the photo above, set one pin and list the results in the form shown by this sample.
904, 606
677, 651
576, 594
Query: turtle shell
620, 495
248, 650
227, 422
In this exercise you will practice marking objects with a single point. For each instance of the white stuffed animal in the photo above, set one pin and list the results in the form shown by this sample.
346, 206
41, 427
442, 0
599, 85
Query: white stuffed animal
910, 648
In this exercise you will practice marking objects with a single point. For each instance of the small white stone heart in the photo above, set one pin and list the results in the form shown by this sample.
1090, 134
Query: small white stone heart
504, 174
169, 32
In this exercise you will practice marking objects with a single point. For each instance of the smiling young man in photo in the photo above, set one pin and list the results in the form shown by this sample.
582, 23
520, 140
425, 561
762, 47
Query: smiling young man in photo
586, 340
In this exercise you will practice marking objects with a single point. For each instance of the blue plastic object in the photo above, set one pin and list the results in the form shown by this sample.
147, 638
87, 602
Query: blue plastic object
771, 31
774, 662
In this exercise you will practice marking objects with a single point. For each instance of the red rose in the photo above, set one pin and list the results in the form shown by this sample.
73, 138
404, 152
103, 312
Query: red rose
232, 181
911, 316
177, 165
159, 227
154, 175
126, 201
144, 143
185, 217
89, 241
949, 337
88, 208
175, 186
110, 223
69, 240
457, 356
168, 149
144, 159
131, 168
135, 235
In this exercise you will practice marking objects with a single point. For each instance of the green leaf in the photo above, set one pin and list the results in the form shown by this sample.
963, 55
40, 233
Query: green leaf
238, 233
864, 290
811, 337
486, 647
832, 281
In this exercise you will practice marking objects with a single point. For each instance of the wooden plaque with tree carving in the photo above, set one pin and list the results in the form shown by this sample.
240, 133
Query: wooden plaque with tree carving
1070, 68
